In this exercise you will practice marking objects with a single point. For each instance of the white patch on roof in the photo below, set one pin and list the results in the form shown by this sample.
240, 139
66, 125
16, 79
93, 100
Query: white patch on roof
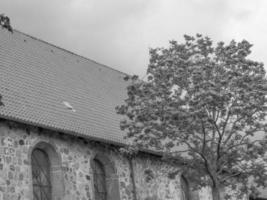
67, 104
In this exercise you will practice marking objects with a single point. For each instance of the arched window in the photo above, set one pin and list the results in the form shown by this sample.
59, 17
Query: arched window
47, 177
100, 187
184, 189
105, 179
41, 175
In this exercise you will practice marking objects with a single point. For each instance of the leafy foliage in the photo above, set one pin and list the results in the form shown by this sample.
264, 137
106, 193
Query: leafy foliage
204, 107
5, 23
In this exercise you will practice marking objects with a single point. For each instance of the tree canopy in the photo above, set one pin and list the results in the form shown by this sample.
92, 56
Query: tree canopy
5, 23
203, 105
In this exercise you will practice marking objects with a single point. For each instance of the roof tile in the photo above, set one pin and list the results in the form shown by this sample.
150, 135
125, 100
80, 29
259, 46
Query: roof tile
37, 77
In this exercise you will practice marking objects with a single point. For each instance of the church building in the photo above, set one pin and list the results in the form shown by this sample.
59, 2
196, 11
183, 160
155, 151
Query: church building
59, 131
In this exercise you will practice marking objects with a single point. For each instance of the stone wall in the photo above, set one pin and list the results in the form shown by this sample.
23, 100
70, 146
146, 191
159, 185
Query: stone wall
72, 172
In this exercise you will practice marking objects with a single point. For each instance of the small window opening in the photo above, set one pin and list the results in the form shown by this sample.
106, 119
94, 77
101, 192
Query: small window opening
99, 180
184, 189
41, 175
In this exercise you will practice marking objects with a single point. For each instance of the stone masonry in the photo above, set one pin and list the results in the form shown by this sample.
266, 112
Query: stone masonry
74, 174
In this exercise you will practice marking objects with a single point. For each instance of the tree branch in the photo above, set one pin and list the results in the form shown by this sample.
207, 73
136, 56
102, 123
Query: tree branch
206, 163
231, 131
230, 176
204, 137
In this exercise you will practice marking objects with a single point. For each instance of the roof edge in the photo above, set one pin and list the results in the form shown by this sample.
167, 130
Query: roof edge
76, 134
68, 51
71, 133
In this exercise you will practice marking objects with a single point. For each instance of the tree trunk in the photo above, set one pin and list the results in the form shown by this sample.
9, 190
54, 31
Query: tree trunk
216, 193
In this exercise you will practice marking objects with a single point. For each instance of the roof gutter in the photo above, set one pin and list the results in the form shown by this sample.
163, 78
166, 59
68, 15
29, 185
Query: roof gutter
75, 134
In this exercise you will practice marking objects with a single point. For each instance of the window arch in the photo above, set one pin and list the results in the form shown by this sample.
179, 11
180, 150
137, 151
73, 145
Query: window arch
47, 179
41, 175
100, 188
105, 179
185, 191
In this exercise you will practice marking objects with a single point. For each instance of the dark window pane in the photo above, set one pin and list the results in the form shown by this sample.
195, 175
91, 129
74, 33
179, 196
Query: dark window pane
99, 180
185, 189
41, 175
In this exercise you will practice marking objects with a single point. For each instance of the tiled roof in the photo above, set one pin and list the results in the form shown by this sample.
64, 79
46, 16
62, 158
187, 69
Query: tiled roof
50, 87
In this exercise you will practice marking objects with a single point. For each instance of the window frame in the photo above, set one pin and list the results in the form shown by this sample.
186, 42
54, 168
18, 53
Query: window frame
111, 178
185, 188
43, 172
56, 174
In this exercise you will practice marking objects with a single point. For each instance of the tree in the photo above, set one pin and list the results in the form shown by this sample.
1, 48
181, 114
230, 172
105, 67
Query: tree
5, 23
203, 106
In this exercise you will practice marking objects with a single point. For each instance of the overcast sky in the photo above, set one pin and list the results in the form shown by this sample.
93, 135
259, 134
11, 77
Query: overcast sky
119, 33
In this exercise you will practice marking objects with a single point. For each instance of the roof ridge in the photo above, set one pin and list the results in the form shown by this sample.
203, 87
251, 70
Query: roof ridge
68, 51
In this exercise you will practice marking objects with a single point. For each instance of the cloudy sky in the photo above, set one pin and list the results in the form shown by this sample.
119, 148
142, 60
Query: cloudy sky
119, 33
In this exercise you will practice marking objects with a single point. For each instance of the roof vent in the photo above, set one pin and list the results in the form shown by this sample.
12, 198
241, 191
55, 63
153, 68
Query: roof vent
67, 104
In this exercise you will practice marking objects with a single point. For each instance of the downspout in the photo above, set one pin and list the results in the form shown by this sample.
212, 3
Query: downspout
132, 175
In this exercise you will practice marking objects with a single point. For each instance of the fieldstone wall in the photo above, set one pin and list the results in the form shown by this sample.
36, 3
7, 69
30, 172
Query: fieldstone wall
157, 180
153, 181
17, 142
